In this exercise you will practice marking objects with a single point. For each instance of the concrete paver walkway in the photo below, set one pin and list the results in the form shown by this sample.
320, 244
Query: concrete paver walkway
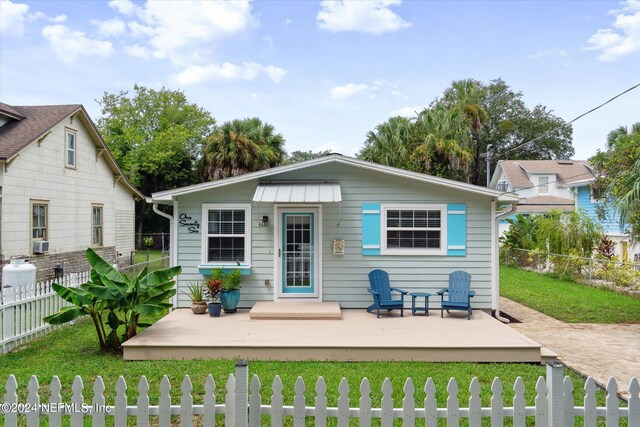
596, 350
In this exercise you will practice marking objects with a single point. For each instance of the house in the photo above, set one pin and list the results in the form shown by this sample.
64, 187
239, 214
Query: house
62, 190
566, 185
313, 230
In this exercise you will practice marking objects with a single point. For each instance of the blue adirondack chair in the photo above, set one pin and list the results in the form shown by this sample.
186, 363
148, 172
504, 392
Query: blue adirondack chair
381, 291
460, 293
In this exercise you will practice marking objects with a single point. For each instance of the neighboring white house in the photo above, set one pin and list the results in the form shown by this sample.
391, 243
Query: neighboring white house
314, 230
61, 190
545, 185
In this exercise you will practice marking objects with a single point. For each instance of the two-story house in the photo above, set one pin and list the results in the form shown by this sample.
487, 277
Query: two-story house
61, 190
545, 185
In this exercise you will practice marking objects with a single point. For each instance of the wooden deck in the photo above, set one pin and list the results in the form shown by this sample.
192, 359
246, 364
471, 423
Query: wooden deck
358, 336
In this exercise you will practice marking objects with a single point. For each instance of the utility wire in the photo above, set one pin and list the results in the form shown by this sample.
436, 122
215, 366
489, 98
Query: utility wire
558, 127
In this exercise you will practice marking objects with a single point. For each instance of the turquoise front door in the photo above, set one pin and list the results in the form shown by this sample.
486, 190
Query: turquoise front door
298, 254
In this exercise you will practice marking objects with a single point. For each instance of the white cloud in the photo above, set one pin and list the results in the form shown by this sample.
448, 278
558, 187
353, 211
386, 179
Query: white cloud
624, 36
137, 51
374, 16
350, 89
408, 111
195, 74
186, 31
12, 17
68, 45
58, 19
110, 28
126, 7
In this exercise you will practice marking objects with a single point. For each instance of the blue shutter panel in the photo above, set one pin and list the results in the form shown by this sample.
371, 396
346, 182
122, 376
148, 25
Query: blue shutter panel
456, 229
371, 229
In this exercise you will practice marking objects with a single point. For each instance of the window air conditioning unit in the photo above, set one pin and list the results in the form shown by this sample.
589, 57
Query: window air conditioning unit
40, 246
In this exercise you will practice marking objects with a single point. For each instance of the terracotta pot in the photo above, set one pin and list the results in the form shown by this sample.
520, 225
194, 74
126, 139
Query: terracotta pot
199, 307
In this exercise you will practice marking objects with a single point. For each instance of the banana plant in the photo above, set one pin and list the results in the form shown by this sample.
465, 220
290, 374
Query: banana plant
122, 298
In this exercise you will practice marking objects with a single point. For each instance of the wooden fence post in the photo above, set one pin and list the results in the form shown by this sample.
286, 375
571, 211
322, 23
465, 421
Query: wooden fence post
242, 393
555, 378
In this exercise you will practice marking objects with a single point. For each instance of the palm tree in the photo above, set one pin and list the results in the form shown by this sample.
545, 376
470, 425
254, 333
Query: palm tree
468, 96
389, 143
440, 143
242, 146
626, 185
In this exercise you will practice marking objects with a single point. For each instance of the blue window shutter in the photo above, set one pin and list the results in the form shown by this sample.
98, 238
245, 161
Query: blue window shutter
456, 229
371, 229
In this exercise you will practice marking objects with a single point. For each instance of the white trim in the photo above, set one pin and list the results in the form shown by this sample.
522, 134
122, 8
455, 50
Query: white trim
335, 158
248, 245
457, 212
371, 211
277, 247
407, 251
70, 131
495, 277
454, 247
173, 256
370, 246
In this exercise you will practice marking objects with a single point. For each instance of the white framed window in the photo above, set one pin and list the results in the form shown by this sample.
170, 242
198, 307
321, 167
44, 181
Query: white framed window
39, 220
502, 185
97, 225
226, 235
70, 149
414, 229
543, 185
598, 193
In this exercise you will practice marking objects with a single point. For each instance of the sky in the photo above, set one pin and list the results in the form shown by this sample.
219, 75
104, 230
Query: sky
324, 73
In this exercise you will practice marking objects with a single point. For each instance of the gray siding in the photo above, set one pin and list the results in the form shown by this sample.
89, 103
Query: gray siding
345, 276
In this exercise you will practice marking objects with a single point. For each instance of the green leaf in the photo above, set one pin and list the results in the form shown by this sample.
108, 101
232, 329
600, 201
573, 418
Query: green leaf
103, 268
76, 296
66, 314
150, 309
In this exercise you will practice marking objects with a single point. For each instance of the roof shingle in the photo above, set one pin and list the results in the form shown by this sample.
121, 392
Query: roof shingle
17, 134
566, 171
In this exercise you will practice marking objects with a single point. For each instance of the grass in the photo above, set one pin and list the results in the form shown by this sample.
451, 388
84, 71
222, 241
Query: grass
567, 301
72, 351
141, 255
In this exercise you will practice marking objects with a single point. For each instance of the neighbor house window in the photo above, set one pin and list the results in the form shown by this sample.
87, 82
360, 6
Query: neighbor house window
97, 223
414, 229
39, 221
227, 234
598, 193
70, 152
543, 185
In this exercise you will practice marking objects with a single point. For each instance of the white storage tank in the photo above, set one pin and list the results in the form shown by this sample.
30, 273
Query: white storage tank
18, 273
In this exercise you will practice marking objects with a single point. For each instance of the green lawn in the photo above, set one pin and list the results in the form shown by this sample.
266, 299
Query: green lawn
567, 301
72, 350
141, 255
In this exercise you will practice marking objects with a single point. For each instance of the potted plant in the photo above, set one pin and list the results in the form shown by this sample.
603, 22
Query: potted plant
214, 287
230, 296
196, 293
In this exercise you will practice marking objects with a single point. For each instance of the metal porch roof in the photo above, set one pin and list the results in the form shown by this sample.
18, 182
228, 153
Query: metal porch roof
298, 192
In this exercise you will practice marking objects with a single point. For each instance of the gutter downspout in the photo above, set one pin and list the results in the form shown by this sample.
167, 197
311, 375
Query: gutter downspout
170, 218
495, 229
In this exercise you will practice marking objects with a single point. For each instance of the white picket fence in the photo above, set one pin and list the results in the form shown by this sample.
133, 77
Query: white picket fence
23, 307
243, 406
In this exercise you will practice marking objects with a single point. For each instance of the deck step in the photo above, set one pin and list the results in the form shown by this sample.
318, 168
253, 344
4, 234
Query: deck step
547, 355
265, 310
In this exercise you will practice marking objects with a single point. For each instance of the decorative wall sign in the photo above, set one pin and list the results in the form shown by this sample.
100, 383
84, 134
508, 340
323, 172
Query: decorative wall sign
338, 247
193, 226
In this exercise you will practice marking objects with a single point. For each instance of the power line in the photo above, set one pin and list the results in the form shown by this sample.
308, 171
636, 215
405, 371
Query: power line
558, 127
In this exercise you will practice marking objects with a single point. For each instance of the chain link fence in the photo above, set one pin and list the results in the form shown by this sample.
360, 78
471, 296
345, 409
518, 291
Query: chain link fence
622, 277
152, 241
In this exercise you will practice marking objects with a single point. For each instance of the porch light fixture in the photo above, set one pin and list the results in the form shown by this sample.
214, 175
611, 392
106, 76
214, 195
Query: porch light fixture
264, 221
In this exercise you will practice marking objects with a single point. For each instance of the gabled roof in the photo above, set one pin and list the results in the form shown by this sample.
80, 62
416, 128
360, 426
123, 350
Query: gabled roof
518, 172
166, 196
34, 122
9, 111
